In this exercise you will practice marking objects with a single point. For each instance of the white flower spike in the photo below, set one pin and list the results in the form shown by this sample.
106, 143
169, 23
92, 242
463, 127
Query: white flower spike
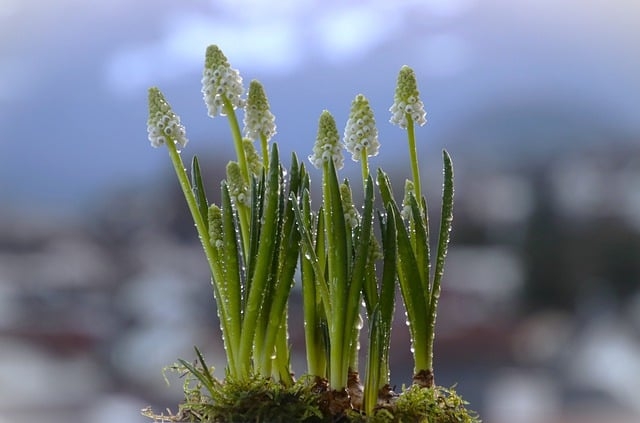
406, 101
361, 132
327, 146
220, 82
258, 119
163, 124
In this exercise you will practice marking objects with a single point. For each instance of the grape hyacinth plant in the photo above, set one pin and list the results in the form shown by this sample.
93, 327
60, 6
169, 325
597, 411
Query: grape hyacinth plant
265, 236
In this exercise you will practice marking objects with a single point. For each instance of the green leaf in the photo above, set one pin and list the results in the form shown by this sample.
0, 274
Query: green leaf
384, 184
446, 221
198, 191
257, 196
231, 283
359, 271
336, 234
311, 300
420, 233
203, 375
264, 258
312, 252
388, 283
288, 251
410, 287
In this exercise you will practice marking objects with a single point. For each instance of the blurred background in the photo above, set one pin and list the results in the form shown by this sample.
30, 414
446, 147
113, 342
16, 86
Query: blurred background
102, 281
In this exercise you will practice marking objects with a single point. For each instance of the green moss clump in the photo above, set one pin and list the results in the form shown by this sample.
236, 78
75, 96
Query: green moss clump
255, 399
260, 399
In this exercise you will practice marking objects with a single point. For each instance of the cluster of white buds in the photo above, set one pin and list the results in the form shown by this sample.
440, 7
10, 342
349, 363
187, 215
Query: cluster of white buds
361, 132
238, 188
409, 189
163, 124
406, 101
215, 226
258, 119
351, 215
220, 81
253, 158
327, 146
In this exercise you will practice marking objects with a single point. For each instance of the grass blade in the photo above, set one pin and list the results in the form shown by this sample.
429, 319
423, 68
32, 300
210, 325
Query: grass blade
411, 289
446, 221
420, 234
198, 190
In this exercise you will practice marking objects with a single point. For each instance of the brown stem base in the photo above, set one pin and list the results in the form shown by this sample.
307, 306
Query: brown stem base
355, 389
332, 402
386, 396
424, 379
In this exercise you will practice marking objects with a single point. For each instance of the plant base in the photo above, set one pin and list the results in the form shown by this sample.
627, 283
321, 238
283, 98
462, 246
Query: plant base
311, 400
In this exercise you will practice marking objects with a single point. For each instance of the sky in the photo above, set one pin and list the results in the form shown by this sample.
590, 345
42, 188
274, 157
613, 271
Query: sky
498, 77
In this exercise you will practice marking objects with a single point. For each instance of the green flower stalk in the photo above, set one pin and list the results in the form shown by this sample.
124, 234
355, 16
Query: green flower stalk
361, 134
327, 155
259, 122
163, 127
407, 110
222, 91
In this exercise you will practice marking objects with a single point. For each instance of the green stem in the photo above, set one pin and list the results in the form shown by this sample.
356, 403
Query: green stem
243, 212
364, 160
264, 260
337, 256
237, 138
210, 253
265, 153
413, 152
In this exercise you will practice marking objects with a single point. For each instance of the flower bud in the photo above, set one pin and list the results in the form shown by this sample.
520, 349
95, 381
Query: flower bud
327, 143
406, 101
258, 119
238, 189
163, 124
361, 132
220, 81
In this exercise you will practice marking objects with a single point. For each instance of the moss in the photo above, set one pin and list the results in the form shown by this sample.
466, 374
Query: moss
259, 399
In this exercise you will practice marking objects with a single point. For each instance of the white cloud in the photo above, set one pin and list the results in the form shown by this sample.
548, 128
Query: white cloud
350, 33
264, 48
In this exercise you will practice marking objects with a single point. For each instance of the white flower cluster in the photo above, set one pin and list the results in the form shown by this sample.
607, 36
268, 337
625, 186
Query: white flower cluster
409, 190
327, 146
361, 132
407, 101
252, 156
412, 107
218, 82
259, 122
163, 124
238, 189
258, 119
215, 226
351, 215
